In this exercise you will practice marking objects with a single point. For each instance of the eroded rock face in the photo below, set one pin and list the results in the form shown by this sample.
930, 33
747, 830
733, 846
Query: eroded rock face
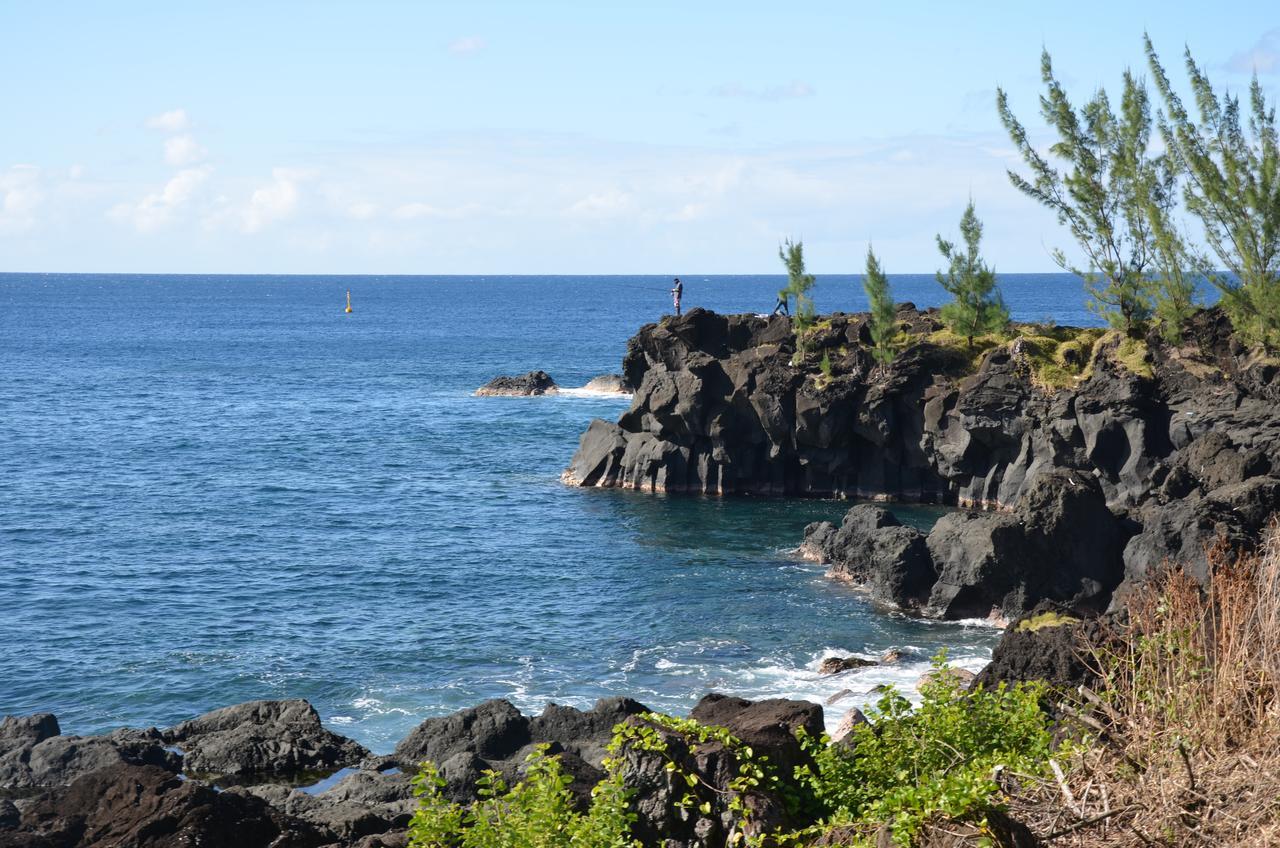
262, 738
526, 385
1061, 543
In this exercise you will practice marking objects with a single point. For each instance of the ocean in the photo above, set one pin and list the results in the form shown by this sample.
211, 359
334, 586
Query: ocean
221, 488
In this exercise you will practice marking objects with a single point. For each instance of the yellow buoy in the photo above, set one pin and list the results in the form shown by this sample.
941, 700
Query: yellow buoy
348, 301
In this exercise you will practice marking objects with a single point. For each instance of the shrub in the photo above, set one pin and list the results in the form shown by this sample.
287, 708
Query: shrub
908, 766
1183, 733
538, 812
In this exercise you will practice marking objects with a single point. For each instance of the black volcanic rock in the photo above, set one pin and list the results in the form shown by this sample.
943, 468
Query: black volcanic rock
262, 738
495, 735
148, 807
725, 405
1050, 643
871, 548
35, 755
526, 385
1061, 543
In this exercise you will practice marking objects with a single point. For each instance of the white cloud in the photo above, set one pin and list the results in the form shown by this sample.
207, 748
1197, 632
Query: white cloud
174, 121
159, 209
416, 210
1262, 58
181, 150
362, 210
603, 204
273, 202
20, 195
788, 91
467, 44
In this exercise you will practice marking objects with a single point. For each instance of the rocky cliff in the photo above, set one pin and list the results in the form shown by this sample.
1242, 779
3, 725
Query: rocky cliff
1173, 447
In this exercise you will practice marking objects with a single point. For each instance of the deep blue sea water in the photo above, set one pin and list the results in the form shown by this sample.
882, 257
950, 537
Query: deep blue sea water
215, 489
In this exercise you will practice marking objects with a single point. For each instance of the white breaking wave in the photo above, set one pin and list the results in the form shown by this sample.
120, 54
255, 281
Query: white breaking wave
584, 392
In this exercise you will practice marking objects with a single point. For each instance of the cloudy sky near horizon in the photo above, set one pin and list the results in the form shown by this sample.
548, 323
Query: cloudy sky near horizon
515, 137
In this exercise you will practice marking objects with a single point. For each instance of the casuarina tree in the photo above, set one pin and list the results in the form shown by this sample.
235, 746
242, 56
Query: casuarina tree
884, 325
977, 308
1102, 196
1233, 187
798, 285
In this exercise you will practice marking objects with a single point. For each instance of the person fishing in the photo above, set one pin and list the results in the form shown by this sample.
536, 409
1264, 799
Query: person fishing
784, 303
676, 292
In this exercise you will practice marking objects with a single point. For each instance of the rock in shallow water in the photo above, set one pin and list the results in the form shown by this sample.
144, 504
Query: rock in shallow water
835, 665
527, 385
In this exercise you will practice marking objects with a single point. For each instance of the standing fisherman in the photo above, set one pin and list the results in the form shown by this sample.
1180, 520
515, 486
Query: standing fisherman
676, 292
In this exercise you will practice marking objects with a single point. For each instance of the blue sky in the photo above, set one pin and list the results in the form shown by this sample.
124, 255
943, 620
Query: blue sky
521, 137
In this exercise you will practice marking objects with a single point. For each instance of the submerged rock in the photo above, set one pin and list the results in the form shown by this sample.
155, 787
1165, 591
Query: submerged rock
835, 665
527, 385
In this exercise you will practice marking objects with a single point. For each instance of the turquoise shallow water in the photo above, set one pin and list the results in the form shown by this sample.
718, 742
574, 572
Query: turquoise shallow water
217, 489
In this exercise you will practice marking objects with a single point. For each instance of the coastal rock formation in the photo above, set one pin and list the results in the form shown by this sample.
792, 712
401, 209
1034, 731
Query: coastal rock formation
107, 800
1172, 446
34, 754
835, 665
974, 563
768, 727
262, 738
150, 807
871, 548
495, 735
527, 385
1049, 643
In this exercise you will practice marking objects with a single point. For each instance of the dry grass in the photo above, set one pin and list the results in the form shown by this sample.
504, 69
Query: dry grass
1184, 745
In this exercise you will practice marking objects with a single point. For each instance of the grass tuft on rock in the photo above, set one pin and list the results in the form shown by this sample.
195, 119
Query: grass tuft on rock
1045, 620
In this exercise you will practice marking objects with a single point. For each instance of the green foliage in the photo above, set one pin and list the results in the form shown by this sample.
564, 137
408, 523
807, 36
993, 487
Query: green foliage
825, 366
1234, 189
1133, 354
884, 325
1105, 197
537, 812
798, 285
908, 766
1044, 621
754, 774
977, 308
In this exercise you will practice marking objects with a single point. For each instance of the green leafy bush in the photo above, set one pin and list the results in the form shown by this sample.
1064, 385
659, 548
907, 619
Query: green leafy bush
940, 759
538, 812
